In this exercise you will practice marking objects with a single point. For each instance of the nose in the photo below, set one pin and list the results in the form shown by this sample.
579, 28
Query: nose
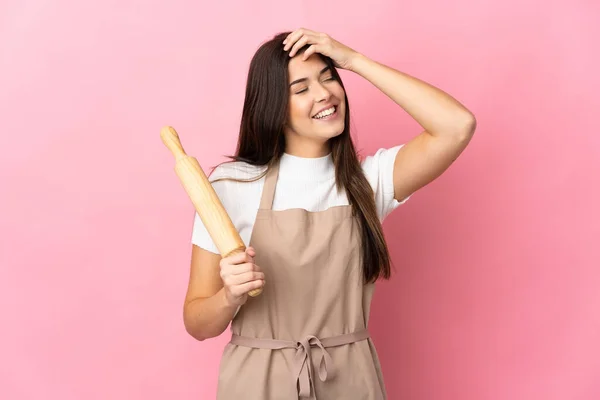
322, 94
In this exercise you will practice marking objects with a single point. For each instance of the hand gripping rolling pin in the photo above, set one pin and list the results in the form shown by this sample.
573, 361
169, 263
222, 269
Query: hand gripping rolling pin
205, 200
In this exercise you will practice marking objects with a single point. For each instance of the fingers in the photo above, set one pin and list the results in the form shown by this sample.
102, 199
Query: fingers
238, 269
297, 34
303, 42
240, 275
245, 277
310, 51
298, 45
241, 290
291, 38
297, 39
238, 258
240, 279
236, 277
240, 264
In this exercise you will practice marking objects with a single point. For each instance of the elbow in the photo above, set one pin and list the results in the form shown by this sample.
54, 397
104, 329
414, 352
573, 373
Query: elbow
194, 327
199, 329
465, 129
200, 333
194, 330
195, 334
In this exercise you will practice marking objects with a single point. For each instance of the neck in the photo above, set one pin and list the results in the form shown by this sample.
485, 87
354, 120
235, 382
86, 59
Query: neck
305, 147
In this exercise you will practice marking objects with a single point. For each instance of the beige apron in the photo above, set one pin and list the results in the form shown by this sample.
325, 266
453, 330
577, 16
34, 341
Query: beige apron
306, 335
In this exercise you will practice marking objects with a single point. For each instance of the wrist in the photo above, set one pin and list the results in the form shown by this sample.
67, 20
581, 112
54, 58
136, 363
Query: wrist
357, 63
225, 303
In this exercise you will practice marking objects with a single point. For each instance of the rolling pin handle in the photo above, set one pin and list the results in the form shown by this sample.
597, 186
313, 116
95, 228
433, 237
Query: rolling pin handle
171, 140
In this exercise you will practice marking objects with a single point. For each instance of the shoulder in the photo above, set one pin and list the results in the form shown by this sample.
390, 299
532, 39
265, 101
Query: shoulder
382, 162
379, 171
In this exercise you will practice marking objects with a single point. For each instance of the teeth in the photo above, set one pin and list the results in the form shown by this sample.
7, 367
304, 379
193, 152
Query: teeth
325, 113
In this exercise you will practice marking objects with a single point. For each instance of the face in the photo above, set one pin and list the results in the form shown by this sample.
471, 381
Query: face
316, 105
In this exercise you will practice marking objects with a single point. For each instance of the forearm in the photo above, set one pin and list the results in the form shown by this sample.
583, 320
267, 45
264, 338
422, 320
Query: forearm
207, 318
436, 111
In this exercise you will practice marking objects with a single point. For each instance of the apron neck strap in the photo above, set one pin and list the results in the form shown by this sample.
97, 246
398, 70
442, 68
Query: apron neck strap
268, 193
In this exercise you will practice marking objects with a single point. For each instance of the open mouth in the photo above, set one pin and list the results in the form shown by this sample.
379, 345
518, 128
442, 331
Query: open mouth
327, 115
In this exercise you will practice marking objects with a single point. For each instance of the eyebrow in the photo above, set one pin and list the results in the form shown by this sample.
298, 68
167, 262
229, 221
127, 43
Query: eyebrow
305, 79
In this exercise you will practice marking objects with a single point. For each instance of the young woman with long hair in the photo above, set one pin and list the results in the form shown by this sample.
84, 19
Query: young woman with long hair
310, 211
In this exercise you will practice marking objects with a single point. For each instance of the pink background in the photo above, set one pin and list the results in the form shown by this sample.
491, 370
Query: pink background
495, 294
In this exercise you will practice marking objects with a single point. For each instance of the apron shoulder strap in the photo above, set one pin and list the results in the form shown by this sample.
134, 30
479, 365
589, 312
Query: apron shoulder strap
268, 193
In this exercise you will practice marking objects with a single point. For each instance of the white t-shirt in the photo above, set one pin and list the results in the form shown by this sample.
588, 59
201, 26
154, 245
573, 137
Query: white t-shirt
307, 183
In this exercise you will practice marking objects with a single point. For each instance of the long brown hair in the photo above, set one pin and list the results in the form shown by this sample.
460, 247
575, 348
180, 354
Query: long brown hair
261, 142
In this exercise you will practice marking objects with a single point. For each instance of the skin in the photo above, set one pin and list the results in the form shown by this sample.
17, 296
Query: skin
311, 90
217, 287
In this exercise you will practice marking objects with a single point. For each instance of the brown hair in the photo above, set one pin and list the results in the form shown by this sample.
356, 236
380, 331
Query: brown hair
261, 142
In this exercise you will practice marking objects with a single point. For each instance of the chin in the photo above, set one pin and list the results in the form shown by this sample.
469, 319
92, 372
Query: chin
337, 132
333, 131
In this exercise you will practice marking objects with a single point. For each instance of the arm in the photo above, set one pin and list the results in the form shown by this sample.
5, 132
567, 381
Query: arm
217, 288
448, 125
206, 311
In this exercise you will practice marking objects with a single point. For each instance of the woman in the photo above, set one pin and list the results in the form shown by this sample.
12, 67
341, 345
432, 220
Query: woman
310, 213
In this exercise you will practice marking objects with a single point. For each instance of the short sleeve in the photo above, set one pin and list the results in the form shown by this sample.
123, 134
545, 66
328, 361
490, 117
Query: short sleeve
379, 170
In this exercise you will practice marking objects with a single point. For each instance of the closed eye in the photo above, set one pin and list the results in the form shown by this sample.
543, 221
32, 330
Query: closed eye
304, 90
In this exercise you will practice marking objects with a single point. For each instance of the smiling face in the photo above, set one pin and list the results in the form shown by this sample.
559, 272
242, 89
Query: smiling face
316, 107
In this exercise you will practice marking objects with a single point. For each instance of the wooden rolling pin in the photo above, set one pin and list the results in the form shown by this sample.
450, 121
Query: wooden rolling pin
205, 200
